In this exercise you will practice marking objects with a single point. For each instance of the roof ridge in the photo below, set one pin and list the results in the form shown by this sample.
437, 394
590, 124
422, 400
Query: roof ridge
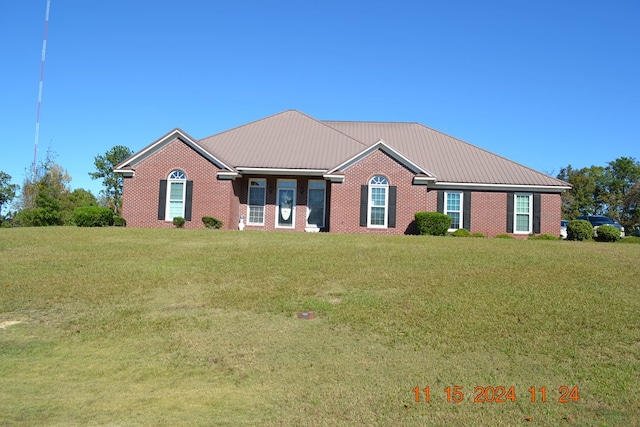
249, 123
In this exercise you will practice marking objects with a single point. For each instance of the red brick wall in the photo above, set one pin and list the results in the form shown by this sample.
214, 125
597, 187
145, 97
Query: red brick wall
489, 213
211, 197
345, 196
227, 199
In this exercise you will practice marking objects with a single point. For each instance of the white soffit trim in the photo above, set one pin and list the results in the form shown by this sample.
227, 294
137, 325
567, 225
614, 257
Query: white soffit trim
228, 175
281, 171
168, 138
382, 145
502, 187
339, 178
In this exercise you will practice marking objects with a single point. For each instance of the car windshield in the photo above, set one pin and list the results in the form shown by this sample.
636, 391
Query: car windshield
599, 220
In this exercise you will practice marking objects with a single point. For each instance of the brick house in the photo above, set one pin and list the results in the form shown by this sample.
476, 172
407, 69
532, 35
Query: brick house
292, 172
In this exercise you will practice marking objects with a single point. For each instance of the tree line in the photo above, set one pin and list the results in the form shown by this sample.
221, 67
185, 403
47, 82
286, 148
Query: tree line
612, 190
45, 197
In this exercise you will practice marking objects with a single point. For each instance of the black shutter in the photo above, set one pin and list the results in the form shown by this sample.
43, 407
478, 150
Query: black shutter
187, 202
364, 193
393, 191
162, 199
440, 203
536, 213
466, 210
510, 196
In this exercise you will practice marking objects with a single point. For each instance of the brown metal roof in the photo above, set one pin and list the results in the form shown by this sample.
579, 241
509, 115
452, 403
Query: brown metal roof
289, 140
293, 140
448, 158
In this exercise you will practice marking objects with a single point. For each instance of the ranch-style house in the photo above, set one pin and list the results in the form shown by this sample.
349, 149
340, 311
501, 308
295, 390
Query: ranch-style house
292, 172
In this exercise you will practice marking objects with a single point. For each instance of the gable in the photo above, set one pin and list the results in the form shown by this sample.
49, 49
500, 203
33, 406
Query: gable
128, 166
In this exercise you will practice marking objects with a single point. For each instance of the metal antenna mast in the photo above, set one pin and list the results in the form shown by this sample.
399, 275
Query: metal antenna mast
44, 52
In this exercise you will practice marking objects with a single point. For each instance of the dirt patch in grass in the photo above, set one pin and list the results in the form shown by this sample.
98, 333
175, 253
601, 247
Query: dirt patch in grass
7, 323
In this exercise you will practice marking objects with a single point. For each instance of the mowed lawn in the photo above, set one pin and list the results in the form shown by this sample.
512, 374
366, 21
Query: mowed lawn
130, 327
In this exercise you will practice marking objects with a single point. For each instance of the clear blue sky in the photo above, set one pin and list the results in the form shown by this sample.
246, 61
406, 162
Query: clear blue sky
545, 83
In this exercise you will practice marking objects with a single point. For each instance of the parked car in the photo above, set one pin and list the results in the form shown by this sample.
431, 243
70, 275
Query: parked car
563, 228
598, 220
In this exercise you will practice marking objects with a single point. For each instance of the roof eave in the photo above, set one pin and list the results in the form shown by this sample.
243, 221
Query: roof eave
501, 187
280, 171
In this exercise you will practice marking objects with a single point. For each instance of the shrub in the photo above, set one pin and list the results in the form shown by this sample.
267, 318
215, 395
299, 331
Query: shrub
211, 222
179, 221
37, 217
93, 216
118, 221
432, 223
477, 235
607, 233
579, 229
542, 237
504, 236
461, 232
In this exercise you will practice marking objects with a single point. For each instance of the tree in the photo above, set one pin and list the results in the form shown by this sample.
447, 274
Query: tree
596, 190
619, 178
112, 181
583, 198
43, 194
7, 190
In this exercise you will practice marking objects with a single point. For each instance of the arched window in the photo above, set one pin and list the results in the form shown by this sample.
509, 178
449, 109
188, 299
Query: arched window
378, 202
176, 192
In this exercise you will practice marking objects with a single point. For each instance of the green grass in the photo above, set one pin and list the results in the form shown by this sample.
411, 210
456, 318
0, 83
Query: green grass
181, 327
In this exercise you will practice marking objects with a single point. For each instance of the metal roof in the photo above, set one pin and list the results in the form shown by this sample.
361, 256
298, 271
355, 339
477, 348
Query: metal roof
294, 143
293, 140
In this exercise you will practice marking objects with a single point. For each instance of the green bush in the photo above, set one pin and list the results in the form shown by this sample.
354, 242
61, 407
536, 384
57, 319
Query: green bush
542, 237
461, 232
579, 229
478, 235
432, 223
504, 236
118, 221
179, 221
93, 216
211, 222
607, 233
38, 217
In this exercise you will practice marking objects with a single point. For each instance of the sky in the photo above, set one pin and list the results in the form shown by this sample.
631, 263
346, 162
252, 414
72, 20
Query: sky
545, 83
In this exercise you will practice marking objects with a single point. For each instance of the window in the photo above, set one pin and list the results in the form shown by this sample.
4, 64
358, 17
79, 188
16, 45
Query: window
286, 203
378, 202
523, 213
453, 208
176, 192
315, 204
257, 195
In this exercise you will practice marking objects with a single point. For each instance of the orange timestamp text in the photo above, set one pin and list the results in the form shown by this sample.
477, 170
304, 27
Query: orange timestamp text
497, 394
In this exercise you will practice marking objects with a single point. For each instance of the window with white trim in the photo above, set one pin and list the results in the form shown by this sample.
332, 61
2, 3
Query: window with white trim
523, 213
176, 192
286, 203
316, 204
378, 202
256, 201
453, 208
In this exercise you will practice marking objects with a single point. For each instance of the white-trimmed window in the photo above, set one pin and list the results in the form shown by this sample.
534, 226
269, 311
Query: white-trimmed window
286, 203
316, 204
453, 208
176, 192
523, 213
256, 202
378, 202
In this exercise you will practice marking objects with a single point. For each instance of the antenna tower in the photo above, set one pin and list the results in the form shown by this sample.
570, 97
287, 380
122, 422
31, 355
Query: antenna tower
44, 52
